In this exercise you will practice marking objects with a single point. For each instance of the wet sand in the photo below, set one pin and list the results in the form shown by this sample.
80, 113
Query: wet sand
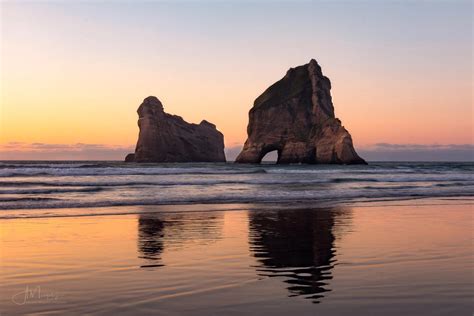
390, 258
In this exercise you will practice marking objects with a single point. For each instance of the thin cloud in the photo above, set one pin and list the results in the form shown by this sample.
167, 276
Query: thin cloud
78, 151
418, 152
388, 146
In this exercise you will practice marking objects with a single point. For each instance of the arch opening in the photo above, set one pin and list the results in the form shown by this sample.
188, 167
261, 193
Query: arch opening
270, 156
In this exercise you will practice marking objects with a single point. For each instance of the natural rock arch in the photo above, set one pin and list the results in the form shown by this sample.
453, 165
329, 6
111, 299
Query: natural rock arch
295, 116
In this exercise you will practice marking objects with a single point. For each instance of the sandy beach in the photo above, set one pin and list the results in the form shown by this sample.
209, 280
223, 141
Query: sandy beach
250, 259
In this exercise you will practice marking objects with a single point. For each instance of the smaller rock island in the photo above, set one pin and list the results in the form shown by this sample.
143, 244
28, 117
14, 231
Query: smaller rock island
168, 138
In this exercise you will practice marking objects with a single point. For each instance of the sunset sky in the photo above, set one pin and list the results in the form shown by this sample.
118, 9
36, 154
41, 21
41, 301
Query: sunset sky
73, 74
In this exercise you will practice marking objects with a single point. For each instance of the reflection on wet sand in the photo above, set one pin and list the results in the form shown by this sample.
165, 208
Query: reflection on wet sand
160, 231
298, 246
150, 239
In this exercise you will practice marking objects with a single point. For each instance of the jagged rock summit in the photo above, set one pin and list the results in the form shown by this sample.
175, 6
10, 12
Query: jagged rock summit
168, 138
295, 117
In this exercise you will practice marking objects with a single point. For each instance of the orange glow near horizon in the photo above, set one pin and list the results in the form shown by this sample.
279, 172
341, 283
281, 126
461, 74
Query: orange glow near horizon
67, 79
404, 118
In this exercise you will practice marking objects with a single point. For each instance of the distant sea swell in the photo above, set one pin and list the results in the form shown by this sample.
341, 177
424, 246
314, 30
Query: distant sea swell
68, 184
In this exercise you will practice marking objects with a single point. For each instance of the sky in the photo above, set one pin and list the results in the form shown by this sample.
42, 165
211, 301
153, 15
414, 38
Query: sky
74, 73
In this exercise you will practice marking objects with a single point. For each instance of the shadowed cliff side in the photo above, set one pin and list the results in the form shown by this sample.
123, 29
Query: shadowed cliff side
168, 138
295, 117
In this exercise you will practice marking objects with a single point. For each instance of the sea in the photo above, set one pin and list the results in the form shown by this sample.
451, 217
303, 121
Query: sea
92, 184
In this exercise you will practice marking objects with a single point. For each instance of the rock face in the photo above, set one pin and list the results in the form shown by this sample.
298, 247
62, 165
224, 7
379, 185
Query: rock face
295, 117
168, 138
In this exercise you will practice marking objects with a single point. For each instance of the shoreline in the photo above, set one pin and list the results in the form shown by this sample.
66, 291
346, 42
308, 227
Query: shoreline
216, 207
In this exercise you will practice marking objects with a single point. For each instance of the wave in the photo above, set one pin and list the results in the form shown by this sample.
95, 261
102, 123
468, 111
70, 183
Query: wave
65, 172
60, 169
444, 182
152, 183
225, 199
51, 191
356, 176
29, 199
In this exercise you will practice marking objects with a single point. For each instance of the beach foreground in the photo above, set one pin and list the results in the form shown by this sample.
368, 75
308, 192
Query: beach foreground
385, 258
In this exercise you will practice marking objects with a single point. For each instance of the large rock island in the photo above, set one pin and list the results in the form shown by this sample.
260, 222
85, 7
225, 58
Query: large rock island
295, 117
168, 138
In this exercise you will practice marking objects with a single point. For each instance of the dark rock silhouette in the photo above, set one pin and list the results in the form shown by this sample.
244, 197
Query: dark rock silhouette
295, 117
168, 138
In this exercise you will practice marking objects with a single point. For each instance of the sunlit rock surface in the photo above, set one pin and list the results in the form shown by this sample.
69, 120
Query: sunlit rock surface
295, 117
168, 138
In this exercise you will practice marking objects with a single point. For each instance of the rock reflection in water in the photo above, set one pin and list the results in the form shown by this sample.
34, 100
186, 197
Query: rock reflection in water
150, 239
158, 232
298, 246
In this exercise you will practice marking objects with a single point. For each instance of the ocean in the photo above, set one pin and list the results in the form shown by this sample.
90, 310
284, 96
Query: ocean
93, 184
110, 238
